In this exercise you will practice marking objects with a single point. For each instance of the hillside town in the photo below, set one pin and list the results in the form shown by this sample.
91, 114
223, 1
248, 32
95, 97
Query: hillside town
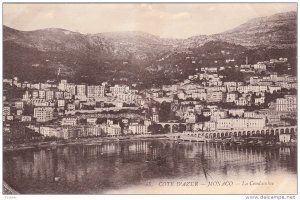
205, 102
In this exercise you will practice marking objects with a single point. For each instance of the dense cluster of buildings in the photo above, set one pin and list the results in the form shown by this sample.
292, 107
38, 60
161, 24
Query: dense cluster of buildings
206, 101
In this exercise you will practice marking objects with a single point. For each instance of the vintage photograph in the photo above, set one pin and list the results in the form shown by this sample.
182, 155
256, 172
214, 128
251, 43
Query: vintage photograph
156, 98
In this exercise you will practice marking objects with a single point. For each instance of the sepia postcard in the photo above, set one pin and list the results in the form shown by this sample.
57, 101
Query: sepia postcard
150, 98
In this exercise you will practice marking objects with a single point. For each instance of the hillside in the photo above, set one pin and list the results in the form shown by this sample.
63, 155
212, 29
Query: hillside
279, 30
139, 56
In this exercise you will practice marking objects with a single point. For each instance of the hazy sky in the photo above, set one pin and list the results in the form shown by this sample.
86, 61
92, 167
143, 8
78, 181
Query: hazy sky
165, 20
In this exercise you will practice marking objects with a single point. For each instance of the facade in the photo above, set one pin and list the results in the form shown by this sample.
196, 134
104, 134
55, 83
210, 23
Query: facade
71, 88
252, 88
71, 107
70, 121
94, 91
137, 129
214, 97
61, 103
209, 126
155, 117
42, 94
127, 98
19, 104
48, 131
35, 94
240, 123
284, 138
91, 120
81, 90
49, 94
259, 100
6, 111
26, 118
287, 104
119, 89
231, 96
43, 114
59, 95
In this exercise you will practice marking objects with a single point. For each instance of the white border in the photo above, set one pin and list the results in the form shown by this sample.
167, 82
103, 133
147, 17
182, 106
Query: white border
134, 197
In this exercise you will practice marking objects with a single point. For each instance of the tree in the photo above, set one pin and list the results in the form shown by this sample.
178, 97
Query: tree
181, 128
164, 111
28, 109
155, 128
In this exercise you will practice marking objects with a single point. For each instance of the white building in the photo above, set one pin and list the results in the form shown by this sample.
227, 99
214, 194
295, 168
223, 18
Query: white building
252, 88
49, 94
6, 110
42, 94
91, 120
19, 112
43, 114
259, 100
231, 96
62, 86
218, 115
26, 118
35, 94
260, 66
119, 89
67, 95
137, 129
287, 104
209, 126
274, 88
198, 127
127, 98
71, 88
26, 96
190, 117
59, 95
242, 101
81, 90
240, 123
214, 96
155, 117
69, 121
94, 91
71, 107
285, 138
49, 131
19, 104
61, 103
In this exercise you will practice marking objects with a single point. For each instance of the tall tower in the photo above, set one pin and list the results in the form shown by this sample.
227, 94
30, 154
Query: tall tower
246, 60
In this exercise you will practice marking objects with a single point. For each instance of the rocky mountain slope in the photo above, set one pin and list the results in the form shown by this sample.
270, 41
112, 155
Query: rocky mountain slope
37, 55
279, 30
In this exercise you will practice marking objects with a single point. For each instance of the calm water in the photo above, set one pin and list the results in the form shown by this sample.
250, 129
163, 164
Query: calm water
96, 169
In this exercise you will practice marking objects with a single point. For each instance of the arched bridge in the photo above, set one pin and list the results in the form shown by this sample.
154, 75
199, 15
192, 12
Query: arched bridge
267, 131
172, 125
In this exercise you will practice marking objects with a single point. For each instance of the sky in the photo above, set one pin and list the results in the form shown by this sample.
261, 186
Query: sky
164, 20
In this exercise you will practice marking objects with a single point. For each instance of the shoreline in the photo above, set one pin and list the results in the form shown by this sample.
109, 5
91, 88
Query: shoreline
80, 141
100, 140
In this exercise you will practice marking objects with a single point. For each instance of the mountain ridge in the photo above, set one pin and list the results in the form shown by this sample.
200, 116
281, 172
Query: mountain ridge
128, 53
